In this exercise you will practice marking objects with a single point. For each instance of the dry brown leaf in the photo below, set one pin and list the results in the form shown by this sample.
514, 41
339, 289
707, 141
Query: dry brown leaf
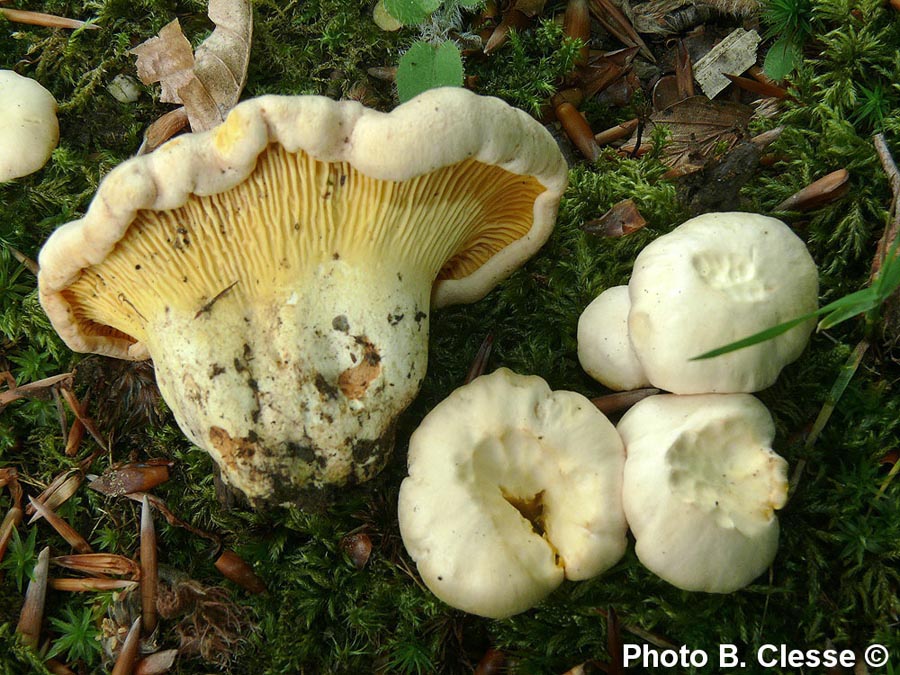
623, 218
209, 82
222, 59
167, 59
699, 131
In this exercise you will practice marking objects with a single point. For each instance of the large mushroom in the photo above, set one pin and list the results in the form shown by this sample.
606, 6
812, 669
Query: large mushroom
280, 269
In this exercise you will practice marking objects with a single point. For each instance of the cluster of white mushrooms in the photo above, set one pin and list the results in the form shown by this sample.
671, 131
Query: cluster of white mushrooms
280, 270
29, 130
513, 487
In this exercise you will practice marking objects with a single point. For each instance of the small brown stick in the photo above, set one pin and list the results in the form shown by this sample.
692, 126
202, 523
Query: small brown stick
156, 664
236, 569
614, 643
684, 72
58, 668
133, 477
42, 19
757, 87
99, 564
58, 492
653, 639
218, 296
129, 652
76, 433
71, 585
612, 403
10, 522
578, 130
479, 363
172, 519
27, 262
88, 423
149, 568
818, 193
163, 129
14, 393
614, 21
617, 132
60, 412
65, 530
893, 174
32, 615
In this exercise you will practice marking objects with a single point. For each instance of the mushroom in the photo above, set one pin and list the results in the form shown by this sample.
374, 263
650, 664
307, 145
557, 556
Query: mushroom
604, 349
280, 269
29, 130
701, 488
512, 487
716, 279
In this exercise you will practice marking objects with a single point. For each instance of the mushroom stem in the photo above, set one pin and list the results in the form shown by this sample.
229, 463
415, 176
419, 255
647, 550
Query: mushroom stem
352, 362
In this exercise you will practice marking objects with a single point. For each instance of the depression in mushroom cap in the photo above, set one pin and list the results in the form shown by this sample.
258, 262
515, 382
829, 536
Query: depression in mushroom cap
715, 279
280, 269
512, 488
701, 488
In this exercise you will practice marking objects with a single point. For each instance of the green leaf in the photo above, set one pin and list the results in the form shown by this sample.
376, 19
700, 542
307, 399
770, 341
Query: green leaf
470, 4
411, 12
426, 66
781, 59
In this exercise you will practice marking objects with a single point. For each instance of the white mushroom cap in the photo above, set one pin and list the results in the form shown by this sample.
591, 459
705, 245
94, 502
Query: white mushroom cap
716, 279
497, 460
604, 348
281, 267
29, 130
701, 488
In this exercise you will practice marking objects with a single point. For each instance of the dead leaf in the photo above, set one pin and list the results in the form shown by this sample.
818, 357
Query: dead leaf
616, 23
167, 59
222, 59
209, 82
623, 218
700, 130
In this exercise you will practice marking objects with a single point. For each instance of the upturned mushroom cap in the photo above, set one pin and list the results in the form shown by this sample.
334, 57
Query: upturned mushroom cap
279, 269
701, 488
716, 279
604, 348
512, 488
29, 130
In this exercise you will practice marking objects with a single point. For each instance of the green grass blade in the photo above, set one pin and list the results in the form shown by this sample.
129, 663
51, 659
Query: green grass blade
756, 338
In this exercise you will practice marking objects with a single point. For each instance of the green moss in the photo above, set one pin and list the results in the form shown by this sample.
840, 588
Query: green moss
835, 577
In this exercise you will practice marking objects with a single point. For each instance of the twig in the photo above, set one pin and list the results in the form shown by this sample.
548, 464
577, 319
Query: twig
893, 175
42, 19
218, 296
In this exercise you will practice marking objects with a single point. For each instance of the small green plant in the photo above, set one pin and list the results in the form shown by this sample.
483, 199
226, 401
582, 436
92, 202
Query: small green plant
20, 557
434, 60
79, 637
790, 21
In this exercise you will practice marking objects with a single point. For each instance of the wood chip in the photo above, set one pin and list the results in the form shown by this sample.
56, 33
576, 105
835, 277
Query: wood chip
734, 54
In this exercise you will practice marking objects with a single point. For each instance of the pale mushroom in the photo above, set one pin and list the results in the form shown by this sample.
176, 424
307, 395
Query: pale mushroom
701, 488
280, 269
604, 349
512, 488
716, 279
29, 130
